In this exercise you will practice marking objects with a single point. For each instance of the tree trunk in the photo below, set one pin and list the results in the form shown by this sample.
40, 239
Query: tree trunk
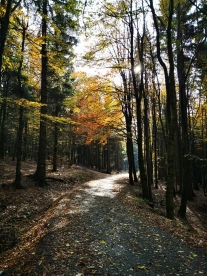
183, 112
155, 143
127, 111
17, 182
171, 105
2, 134
4, 25
138, 90
108, 163
41, 164
148, 155
26, 148
143, 176
55, 144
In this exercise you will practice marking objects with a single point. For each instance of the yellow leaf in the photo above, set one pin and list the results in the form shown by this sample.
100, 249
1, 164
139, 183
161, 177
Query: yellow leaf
102, 242
141, 267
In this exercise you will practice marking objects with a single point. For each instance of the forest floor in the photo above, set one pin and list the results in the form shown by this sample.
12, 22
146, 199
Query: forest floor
89, 223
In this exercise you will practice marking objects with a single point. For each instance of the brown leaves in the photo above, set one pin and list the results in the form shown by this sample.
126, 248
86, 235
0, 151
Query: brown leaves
25, 219
192, 230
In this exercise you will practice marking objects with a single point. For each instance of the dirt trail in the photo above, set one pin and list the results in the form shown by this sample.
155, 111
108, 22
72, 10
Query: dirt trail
91, 233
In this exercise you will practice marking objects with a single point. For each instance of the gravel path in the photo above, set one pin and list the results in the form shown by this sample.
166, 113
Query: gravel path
93, 234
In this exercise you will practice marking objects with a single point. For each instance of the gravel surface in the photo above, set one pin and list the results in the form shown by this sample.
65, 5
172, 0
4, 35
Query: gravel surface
91, 233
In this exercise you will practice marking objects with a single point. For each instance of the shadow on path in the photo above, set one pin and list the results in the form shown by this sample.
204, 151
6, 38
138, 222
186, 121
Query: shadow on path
93, 234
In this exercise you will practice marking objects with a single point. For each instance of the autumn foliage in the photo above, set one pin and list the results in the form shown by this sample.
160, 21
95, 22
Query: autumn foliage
96, 113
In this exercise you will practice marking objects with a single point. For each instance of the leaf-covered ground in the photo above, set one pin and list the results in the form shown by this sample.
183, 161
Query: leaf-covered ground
88, 223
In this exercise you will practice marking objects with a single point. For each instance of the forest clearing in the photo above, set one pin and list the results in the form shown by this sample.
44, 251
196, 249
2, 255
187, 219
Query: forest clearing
39, 226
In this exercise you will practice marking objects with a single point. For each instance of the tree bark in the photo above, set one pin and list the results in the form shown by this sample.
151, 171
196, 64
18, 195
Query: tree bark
171, 105
138, 90
126, 109
186, 184
4, 25
41, 164
17, 182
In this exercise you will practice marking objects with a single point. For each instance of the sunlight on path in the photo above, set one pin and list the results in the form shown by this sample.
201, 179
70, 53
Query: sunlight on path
91, 233
97, 188
116, 242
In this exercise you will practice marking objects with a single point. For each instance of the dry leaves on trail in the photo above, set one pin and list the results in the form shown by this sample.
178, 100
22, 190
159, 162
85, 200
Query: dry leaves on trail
44, 218
192, 230
22, 212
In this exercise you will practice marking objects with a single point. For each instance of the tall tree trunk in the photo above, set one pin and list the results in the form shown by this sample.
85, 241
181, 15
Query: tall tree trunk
4, 25
2, 133
155, 142
41, 164
127, 111
129, 157
138, 91
26, 148
148, 155
5, 89
186, 184
17, 182
55, 143
171, 105
108, 163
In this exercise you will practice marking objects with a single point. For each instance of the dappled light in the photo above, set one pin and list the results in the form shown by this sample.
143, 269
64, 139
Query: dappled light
86, 222
103, 138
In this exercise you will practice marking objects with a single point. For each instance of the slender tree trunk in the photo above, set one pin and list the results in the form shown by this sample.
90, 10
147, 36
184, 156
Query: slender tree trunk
118, 157
17, 182
127, 111
2, 134
129, 157
26, 147
155, 142
172, 120
143, 176
183, 112
171, 105
138, 90
4, 25
108, 163
55, 144
147, 141
41, 164
133, 165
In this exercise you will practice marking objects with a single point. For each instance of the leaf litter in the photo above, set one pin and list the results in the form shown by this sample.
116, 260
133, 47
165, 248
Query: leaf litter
91, 229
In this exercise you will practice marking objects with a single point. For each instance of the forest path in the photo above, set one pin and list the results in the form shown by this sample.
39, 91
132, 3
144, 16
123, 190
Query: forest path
91, 233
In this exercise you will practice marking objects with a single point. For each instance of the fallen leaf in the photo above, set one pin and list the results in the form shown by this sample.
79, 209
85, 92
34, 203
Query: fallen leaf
102, 242
141, 267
